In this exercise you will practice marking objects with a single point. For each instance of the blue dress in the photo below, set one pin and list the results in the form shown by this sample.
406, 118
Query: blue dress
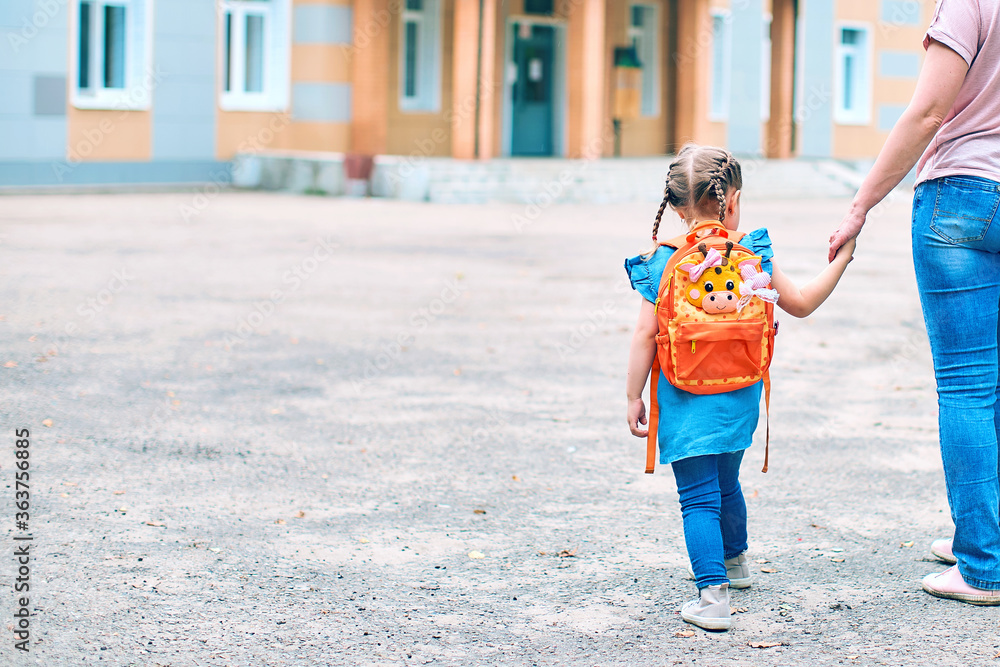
700, 424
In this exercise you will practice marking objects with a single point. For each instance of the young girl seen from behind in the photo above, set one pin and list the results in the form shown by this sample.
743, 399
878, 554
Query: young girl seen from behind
703, 435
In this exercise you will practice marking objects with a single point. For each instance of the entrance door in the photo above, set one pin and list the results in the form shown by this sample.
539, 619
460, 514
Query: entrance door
532, 104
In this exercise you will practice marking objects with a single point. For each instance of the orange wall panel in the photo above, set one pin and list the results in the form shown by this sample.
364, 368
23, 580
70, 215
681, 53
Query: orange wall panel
106, 134
323, 63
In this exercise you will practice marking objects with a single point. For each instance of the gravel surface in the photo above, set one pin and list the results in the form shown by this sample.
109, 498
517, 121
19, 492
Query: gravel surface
276, 430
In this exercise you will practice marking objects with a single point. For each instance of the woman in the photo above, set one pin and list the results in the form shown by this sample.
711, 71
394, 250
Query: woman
953, 126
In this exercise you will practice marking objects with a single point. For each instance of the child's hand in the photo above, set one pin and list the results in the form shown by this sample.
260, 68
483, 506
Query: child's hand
637, 416
846, 251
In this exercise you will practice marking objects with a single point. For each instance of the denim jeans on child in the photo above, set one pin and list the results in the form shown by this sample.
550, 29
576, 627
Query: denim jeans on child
956, 253
715, 514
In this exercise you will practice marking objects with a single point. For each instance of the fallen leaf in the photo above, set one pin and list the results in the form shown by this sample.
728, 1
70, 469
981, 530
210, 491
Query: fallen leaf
214, 549
276, 411
764, 644
363, 540
906, 544
479, 511
300, 515
170, 394
69, 483
156, 524
280, 522
515, 478
738, 610
10, 364
816, 525
476, 554
33, 339
762, 561
684, 633
768, 570
64, 495
568, 553
458, 371
47, 423
118, 493
122, 509
754, 494
852, 657
837, 560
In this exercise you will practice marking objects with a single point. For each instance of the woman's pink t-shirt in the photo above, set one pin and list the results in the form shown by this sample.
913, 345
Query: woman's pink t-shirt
968, 142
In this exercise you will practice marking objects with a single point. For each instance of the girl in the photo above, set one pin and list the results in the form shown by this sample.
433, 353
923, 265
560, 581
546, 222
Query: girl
705, 435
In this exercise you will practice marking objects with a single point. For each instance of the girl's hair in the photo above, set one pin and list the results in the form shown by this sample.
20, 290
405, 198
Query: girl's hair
697, 174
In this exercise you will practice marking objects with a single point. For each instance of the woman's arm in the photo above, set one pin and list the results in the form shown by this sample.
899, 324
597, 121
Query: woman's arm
802, 302
940, 79
640, 361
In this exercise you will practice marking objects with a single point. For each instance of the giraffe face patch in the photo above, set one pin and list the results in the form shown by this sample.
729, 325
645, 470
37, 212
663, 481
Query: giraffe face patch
713, 282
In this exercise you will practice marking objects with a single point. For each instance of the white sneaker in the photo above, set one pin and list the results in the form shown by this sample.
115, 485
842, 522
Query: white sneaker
737, 571
710, 610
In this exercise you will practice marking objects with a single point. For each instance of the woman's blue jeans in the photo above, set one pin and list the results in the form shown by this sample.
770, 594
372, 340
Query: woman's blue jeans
715, 514
956, 254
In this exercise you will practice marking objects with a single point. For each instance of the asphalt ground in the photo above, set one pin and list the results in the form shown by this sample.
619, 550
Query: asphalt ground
280, 430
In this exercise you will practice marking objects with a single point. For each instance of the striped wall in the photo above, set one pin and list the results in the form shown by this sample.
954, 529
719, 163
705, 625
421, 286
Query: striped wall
32, 80
184, 49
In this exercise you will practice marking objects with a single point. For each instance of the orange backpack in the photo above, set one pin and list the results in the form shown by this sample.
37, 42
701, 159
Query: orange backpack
715, 313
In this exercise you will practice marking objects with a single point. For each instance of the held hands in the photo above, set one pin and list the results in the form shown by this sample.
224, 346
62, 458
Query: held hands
637, 416
849, 228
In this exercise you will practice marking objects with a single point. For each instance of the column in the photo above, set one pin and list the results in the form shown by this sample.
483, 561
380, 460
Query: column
464, 75
369, 64
779, 127
814, 103
692, 62
743, 130
586, 74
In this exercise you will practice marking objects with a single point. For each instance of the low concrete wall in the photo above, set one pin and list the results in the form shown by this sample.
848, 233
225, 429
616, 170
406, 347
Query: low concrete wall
527, 181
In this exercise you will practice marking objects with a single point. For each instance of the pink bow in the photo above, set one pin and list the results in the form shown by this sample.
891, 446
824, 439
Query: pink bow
755, 284
712, 258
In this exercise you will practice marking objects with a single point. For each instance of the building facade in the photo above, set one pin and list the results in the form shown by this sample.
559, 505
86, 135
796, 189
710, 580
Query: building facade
101, 91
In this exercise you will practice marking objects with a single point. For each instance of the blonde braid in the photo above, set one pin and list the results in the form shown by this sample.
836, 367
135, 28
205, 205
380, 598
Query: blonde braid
717, 186
717, 180
663, 207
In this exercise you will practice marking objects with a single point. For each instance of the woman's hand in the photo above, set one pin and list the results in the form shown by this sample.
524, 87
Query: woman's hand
637, 416
849, 228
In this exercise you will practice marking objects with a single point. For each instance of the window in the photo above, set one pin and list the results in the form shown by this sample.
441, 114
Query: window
642, 33
853, 76
255, 55
110, 54
538, 6
765, 71
420, 57
721, 38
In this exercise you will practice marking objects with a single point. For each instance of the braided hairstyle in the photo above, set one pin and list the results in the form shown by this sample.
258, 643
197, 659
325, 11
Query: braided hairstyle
697, 173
